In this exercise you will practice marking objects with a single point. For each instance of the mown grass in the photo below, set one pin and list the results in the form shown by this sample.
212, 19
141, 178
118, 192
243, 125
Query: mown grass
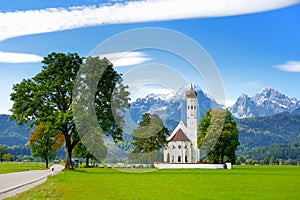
8, 167
280, 182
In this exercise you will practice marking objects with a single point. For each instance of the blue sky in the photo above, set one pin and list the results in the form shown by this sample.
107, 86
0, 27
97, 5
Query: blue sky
254, 45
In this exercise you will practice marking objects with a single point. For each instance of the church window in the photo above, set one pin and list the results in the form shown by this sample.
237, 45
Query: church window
179, 158
179, 146
191, 107
195, 107
172, 158
186, 160
173, 147
185, 147
188, 107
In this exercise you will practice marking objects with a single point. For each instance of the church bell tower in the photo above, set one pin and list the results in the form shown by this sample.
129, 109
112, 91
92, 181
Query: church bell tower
192, 110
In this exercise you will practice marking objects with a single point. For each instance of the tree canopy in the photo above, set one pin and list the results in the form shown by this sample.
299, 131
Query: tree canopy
44, 142
218, 136
48, 97
150, 135
3, 151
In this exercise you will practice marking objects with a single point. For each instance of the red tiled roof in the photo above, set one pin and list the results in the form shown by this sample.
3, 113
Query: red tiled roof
179, 136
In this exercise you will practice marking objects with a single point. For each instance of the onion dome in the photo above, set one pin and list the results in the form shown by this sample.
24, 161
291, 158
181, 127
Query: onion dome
191, 93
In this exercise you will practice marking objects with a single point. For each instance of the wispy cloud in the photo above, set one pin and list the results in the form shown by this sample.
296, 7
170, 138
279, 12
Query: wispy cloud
252, 84
9, 57
121, 59
291, 66
18, 23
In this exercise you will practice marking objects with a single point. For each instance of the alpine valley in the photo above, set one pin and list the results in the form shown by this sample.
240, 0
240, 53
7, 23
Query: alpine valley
269, 118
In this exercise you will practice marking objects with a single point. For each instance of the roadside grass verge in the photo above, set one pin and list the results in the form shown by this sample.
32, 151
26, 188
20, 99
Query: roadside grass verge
8, 167
263, 182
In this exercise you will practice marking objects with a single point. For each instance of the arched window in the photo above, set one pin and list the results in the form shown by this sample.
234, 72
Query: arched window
179, 158
195, 107
188, 107
191, 107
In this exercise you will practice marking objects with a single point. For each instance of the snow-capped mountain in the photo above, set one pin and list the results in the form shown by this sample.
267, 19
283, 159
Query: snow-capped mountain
268, 102
171, 107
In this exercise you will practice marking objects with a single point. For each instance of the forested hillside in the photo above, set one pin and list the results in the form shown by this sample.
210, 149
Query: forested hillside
12, 134
278, 151
265, 131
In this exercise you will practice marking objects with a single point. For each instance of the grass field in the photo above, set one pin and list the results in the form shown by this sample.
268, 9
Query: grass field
8, 167
263, 182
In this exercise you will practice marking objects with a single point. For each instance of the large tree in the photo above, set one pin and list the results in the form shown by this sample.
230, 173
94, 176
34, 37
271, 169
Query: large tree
150, 136
48, 97
44, 142
218, 136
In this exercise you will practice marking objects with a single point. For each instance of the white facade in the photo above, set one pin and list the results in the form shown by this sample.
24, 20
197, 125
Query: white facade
182, 143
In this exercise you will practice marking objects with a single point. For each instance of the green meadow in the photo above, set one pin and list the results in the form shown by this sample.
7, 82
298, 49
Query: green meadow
243, 182
8, 167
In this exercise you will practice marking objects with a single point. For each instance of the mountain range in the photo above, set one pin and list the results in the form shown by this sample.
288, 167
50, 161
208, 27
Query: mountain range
265, 119
267, 102
172, 106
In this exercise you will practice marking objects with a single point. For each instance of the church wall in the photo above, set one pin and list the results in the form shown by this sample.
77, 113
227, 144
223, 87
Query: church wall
178, 152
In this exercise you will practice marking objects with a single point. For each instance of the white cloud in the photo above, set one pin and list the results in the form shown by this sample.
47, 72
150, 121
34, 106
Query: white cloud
9, 57
252, 84
18, 23
291, 66
121, 59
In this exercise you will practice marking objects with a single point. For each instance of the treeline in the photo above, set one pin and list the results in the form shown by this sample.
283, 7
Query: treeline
277, 154
22, 152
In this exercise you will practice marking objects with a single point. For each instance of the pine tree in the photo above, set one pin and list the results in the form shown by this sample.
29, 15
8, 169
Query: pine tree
150, 136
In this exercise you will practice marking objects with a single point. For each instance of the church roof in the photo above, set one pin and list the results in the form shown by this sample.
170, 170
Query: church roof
179, 136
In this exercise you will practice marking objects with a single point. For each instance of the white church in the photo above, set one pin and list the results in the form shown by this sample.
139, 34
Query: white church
182, 143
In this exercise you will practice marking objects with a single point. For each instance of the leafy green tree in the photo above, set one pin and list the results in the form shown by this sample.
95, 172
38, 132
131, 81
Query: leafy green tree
272, 161
219, 136
3, 151
266, 160
7, 157
44, 142
48, 97
149, 136
95, 144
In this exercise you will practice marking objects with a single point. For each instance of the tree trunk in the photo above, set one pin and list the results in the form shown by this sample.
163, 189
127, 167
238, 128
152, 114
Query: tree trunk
152, 159
68, 164
87, 161
47, 162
